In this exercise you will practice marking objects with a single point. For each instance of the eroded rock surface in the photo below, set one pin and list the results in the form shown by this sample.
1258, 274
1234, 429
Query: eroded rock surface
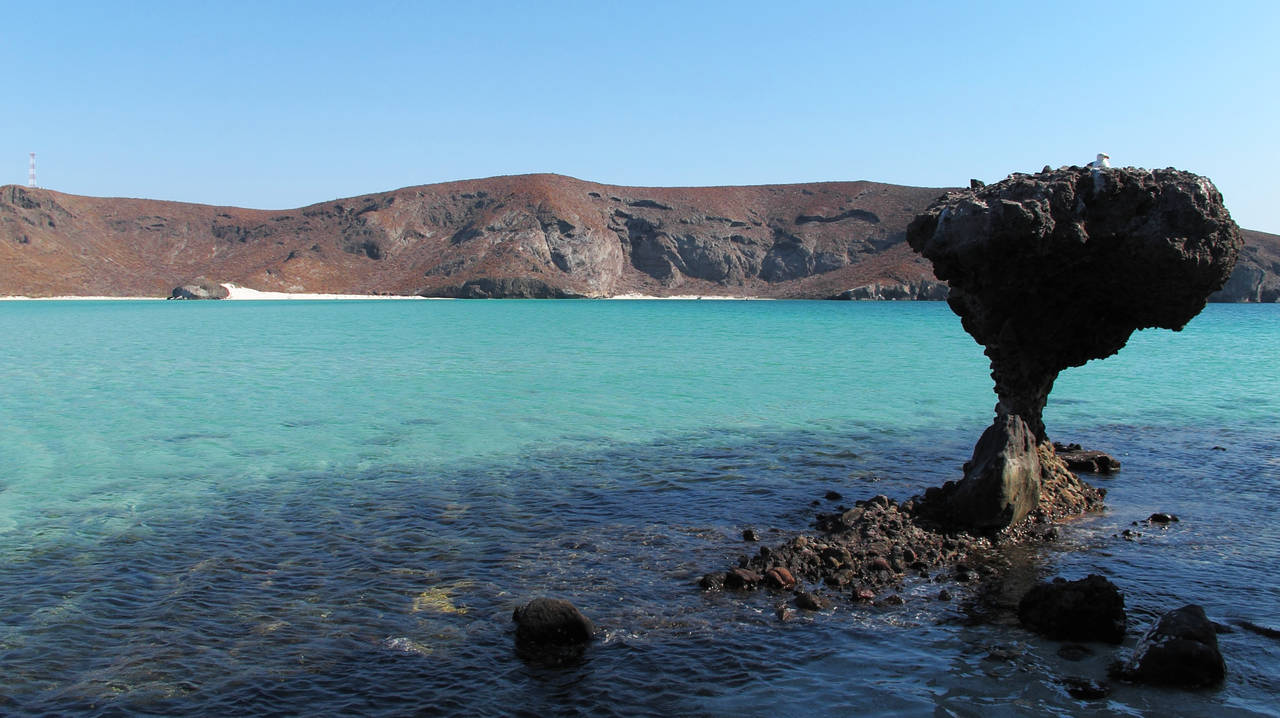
1048, 271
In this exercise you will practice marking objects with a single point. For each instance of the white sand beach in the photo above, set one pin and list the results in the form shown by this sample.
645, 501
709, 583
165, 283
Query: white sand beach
237, 293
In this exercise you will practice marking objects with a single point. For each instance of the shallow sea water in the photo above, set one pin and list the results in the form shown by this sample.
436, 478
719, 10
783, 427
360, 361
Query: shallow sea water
332, 507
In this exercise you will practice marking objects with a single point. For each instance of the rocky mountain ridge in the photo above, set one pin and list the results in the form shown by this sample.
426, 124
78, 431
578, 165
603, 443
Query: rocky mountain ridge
511, 236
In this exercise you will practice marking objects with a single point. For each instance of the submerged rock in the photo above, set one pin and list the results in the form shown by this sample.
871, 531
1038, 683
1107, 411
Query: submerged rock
1180, 650
1090, 609
1051, 270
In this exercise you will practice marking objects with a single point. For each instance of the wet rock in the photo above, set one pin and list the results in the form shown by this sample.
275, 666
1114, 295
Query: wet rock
742, 579
551, 623
1161, 518
1049, 271
1090, 609
812, 602
1079, 459
1255, 628
892, 599
944, 595
750, 535
779, 577
1180, 650
833, 496
712, 582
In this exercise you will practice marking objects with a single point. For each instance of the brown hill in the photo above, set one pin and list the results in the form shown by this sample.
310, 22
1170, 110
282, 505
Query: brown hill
527, 235
1257, 274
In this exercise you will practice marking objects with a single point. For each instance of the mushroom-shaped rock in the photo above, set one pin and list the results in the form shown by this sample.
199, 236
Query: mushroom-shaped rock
551, 622
1050, 270
1180, 650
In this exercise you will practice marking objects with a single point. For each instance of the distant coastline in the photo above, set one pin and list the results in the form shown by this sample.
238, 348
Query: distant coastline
517, 237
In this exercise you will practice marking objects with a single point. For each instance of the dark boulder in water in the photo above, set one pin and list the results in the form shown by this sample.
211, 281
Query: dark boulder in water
1090, 609
1180, 650
1050, 270
551, 625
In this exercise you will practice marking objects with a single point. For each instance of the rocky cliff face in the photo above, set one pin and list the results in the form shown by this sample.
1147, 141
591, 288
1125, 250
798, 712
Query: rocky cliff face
1256, 277
520, 236
525, 236
1048, 271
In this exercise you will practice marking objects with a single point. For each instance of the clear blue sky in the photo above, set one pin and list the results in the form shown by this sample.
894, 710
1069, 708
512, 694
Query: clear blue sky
281, 104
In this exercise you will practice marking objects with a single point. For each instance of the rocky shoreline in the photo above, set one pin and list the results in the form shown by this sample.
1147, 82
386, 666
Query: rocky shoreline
866, 553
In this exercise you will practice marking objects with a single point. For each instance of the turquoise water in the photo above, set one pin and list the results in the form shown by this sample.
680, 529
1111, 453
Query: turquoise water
256, 506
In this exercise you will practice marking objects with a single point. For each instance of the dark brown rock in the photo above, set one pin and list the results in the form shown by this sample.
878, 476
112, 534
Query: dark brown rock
1048, 271
1180, 650
742, 578
1090, 609
812, 602
779, 577
551, 622
712, 582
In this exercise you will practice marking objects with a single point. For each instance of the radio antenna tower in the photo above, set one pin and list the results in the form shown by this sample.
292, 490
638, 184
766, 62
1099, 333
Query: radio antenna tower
31, 171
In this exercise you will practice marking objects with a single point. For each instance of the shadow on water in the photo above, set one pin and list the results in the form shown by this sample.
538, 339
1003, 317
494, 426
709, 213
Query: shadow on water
390, 590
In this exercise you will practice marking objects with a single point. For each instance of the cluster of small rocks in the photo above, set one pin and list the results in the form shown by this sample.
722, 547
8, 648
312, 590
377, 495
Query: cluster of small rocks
865, 552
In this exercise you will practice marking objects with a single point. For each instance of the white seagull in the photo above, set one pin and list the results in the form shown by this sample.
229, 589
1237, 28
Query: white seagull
1103, 161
